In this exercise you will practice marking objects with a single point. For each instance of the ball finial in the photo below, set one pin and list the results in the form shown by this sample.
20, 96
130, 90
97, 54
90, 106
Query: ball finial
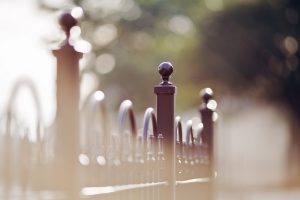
67, 21
165, 69
206, 94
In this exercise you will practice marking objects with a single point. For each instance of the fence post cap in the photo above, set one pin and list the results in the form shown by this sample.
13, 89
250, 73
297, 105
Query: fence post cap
67, 21
206, 94
165, 69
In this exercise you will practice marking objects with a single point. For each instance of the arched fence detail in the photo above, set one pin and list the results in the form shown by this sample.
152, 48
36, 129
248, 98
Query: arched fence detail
166, 160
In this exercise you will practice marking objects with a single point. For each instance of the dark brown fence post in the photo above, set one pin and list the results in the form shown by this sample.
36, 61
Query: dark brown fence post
67, 116
206, 111
165, 92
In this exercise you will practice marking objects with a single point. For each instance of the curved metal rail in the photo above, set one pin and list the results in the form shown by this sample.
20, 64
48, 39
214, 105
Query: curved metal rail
26, 150
189, 138
150, 140
179, 141
126, 110
33, 91
95, 124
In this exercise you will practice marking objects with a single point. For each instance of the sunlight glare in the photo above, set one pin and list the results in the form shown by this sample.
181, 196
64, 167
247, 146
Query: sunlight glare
105, 63
84, 159
181, 24
105, 34
99, 95
77, 12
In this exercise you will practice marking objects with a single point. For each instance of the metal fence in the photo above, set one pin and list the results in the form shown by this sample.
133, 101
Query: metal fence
84, 159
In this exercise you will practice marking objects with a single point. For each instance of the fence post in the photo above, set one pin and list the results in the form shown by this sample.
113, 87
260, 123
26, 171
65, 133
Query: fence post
67, 116
165, 92
206, 111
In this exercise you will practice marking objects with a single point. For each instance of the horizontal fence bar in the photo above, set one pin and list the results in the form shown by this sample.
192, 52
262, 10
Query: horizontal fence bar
194, 180
91, 191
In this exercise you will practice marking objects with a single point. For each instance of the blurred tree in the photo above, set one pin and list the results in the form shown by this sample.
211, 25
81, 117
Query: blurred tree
130, 38
256, 48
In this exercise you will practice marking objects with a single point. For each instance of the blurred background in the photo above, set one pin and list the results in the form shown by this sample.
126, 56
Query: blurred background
247, 51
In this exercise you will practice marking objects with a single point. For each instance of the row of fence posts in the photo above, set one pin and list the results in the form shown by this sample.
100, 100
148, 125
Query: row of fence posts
90, 160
